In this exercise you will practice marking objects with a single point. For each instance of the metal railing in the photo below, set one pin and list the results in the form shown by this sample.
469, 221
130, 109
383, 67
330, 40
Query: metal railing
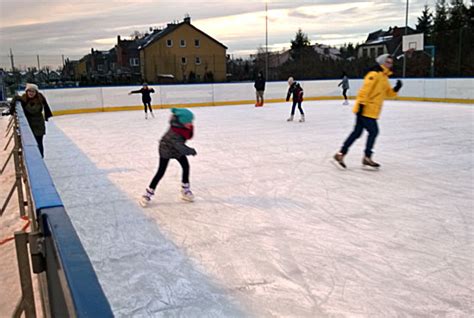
68, 284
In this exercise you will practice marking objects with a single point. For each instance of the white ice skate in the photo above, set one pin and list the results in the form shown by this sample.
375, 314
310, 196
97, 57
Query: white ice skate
302, 119
345, 103
290, 119
146, 198
152, 115
146, 115
186, 193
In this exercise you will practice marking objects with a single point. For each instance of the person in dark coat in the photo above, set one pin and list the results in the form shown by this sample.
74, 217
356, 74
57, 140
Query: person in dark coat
146, 98
345, 87
296, 90
36, 110
172, 146
260, 89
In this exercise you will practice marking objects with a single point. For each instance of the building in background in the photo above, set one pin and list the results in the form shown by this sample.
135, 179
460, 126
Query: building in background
183, 52
382, 42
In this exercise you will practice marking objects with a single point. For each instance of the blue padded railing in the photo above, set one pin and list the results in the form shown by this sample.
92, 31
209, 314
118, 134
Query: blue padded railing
73, 287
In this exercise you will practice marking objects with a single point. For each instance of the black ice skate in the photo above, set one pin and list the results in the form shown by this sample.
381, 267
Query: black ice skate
339, 158
367, 162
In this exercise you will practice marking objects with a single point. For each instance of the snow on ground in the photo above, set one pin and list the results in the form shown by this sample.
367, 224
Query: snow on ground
276, 230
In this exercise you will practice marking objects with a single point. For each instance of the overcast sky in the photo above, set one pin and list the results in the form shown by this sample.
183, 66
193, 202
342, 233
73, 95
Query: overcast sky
52, 28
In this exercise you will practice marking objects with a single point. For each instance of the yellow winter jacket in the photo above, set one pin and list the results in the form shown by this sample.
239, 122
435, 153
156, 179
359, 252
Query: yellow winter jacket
375, 89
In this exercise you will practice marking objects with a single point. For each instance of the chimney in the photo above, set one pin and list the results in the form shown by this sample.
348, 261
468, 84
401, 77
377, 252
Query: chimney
118, 39
187, 19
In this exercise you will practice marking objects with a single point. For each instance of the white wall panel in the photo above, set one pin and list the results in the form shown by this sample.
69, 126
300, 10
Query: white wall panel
74, 98
86, 98
186, 94
460, 88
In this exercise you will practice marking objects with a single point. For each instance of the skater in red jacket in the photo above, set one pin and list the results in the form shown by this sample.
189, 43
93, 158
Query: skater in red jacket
172, 146
296, 90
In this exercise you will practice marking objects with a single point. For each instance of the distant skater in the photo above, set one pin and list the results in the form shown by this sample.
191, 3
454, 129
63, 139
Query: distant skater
296, 90
146, 98
368, 107
172, 146
259, 89
345, 87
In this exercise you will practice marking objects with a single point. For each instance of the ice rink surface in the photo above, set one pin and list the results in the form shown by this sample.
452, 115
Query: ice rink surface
276, 230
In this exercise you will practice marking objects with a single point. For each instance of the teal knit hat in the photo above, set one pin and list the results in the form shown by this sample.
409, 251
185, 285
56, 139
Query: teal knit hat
184, 115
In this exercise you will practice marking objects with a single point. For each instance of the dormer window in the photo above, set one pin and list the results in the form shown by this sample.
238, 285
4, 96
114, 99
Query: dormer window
169, 43
182, 43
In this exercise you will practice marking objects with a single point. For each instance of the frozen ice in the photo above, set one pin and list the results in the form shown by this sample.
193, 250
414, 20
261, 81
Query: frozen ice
275, 230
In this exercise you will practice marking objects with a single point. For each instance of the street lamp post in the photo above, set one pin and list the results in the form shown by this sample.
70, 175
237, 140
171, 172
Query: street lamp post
266, 41
406, 32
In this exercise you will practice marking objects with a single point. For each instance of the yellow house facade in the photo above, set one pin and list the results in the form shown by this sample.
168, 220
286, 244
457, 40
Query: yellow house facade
183, 52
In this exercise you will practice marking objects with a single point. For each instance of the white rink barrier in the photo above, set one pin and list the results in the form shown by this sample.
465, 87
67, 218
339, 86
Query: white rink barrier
97, 99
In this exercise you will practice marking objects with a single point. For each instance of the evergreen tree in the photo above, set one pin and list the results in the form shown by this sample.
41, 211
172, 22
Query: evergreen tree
299, 45
458, 15
301, 40
440, 22
425, 23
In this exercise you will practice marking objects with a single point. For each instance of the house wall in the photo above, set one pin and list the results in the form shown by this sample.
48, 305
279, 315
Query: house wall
158, 58
372, 50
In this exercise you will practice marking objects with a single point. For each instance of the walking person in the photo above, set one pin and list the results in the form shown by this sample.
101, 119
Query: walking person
146, 98
296, 90
36, 110
345, 87
368, 107
259, 89
172, 146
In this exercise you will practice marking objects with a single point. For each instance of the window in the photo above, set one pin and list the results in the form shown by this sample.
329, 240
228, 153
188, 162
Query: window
182, 43
372, 52
364, 52
380, 51
198, 60
134, 61
184, 61
169, 43
197, 43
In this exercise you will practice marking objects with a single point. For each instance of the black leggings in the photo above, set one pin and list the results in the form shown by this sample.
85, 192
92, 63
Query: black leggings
145, 104
39, 141
299, 107
183, 161
344, 91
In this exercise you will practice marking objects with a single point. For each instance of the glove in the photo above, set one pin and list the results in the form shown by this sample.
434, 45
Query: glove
397, 87
361, 109
193, 152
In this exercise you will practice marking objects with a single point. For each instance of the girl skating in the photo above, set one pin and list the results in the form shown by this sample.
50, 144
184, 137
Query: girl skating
296, 90
172, 146
146, 98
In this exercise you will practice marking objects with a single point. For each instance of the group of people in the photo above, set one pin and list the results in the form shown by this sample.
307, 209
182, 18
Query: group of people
296, 90
367, 109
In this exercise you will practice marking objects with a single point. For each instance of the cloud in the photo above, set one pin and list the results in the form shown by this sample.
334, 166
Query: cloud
74, 27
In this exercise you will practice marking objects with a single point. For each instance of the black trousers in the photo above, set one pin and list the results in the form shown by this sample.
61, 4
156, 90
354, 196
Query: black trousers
344, 91
299, 108
369, 124
39, 141
147, 104
183, 161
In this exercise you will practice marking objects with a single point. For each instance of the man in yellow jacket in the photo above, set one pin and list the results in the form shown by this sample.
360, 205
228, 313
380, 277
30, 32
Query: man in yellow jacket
368, 106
